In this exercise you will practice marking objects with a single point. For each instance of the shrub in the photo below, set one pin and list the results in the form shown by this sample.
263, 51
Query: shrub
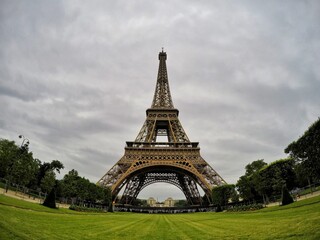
250, 207
286, 197
219, 209
50, 200
86, 209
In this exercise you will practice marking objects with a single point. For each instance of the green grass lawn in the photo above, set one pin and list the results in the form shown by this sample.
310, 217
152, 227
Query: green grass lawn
24, 220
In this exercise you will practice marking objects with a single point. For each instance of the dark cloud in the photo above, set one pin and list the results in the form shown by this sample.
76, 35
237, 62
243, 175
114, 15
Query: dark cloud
76, 78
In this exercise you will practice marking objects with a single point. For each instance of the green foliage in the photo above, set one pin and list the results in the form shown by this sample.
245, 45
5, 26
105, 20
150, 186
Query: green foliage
303, 176
219, 208
181, 203
107, 195
254, 167
18, 166
262, 181
82, 190
24, 169
234, 195
50, 200
69, 188
248, 207
306, 150
8, 153
86, 209
222, 194
286, 198
48, 181
245, 188
16, 163
247, 184
272, 177
140, 202
56, 165
45, 168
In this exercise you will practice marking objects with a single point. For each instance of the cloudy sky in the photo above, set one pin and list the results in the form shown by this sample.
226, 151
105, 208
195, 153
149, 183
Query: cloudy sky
77, 76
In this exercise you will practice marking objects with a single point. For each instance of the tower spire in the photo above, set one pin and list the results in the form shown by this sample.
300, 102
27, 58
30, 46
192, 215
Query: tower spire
162, 96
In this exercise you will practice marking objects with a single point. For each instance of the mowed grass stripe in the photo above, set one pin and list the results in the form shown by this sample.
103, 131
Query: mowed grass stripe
175, 228
300, 220
41, 225
259, 225
211, 228
106, 226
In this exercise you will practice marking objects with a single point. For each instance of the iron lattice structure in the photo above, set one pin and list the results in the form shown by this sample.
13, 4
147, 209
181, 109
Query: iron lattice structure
176, 161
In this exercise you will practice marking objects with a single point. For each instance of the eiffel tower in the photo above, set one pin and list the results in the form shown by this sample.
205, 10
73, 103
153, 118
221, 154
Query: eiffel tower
176, 161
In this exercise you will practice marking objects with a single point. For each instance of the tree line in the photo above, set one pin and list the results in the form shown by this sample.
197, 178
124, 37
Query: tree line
18, 166
260, 182
263, 181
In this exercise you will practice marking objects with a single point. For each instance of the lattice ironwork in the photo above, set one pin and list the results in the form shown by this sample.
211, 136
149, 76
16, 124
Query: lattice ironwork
162, 97
176, 161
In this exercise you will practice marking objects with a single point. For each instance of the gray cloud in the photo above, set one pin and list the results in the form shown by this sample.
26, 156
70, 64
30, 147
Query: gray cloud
76, 78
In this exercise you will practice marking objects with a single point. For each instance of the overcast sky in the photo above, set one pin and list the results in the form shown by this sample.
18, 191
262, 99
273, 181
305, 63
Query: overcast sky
77, 76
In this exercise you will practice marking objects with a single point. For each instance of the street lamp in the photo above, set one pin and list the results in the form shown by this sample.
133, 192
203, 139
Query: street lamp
25, 142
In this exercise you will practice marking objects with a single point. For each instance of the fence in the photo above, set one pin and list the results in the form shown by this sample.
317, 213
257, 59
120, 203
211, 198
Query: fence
29, 194
22, 191
36, 195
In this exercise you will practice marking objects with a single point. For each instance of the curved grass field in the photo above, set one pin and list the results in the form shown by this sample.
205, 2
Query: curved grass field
24, 220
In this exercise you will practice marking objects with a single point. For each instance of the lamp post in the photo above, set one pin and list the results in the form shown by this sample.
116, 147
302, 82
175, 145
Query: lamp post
24, 149
25, 142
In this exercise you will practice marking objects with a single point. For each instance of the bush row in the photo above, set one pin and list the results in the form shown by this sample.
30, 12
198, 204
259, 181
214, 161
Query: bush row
86, 209
250, 207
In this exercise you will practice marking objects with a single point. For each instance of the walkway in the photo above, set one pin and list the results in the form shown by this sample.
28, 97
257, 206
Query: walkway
309, 195
26, 197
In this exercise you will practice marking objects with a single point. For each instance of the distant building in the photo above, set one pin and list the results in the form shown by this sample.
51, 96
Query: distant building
169, 202
151, 202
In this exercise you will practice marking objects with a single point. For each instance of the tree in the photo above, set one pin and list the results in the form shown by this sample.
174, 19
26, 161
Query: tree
234, 195
271, 178
24, 169
140, 202
222, 194
246, 185
45, 167
69, 185
48, 181
306, 151
17, 163
246, 188
181, 203
81, 190
254, 167
8, 154
107, 196
56, 165
303, 176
